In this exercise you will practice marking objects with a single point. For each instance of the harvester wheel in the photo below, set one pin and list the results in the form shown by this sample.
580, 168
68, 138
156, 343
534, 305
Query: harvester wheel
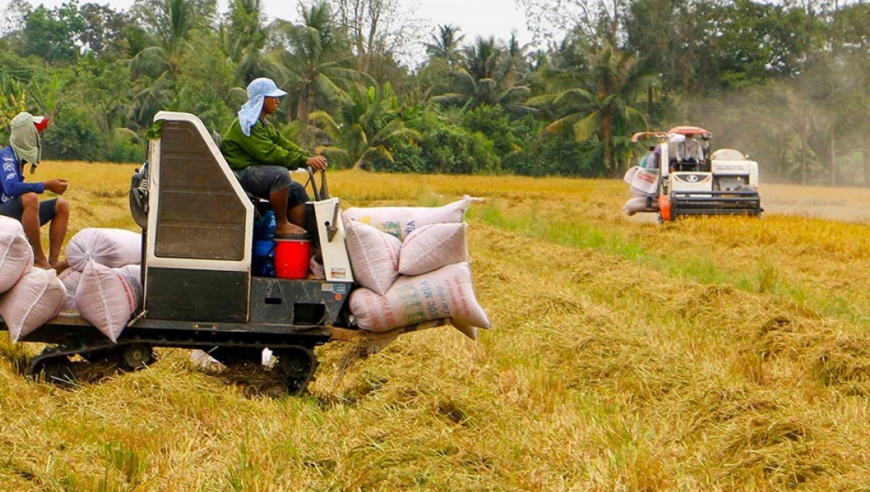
138, 356
296, 367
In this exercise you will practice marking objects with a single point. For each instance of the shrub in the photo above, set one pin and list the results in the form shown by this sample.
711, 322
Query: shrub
73, 135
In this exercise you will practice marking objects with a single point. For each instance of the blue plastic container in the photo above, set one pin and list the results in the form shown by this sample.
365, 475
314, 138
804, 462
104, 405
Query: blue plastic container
263, 258
263, 248
264, 226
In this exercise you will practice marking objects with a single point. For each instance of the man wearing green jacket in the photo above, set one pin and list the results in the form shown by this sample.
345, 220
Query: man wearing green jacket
263, 158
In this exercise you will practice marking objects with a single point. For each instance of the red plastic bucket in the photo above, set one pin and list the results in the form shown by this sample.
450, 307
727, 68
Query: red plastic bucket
291, 256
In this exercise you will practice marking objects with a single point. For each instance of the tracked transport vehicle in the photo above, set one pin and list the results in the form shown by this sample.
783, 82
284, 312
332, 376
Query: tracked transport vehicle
198, 287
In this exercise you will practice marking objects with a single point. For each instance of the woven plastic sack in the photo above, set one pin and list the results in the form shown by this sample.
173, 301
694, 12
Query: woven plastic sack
108, 297
431, 247
401, 221
637, 204
644, 182
469, 331
70, 278
134, 271
113, 248
444, 293
374, 256
16, 255
34, 300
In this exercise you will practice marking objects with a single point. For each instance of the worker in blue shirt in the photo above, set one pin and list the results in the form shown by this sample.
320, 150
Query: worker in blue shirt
20, 200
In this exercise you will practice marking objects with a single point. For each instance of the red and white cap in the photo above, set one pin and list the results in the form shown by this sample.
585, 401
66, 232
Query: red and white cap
40, 122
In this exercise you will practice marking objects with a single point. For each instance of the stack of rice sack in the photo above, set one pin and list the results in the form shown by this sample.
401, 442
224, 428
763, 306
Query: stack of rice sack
412, 264
29, 297
103, 282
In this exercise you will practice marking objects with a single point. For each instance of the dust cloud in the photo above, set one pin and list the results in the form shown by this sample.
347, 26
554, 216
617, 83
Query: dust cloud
842, 204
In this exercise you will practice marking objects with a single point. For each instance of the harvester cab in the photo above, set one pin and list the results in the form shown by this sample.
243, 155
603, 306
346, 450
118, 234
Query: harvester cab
677, 181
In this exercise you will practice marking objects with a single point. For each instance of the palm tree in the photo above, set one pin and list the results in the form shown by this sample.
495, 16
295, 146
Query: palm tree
514, 60
598, 99
314, 63
170, 23
480, 78
445, 45
362, 128
243, 38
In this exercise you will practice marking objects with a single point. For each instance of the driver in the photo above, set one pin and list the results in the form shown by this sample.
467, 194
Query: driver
689, 149
262, 158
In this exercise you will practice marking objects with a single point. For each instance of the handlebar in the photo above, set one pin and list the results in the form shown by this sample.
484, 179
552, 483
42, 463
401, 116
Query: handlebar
323, 192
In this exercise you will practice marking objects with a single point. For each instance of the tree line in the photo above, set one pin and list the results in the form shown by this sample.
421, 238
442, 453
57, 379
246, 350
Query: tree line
784, 82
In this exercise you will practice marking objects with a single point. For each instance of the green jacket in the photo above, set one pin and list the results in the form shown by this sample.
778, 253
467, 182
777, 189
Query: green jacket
265, 146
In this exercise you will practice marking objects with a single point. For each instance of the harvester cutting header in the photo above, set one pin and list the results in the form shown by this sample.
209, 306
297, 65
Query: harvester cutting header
681, 176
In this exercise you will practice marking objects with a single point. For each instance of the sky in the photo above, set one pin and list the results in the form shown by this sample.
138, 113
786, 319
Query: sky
474, 17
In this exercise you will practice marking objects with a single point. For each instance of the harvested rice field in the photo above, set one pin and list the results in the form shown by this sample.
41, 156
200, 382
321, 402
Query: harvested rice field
715, 354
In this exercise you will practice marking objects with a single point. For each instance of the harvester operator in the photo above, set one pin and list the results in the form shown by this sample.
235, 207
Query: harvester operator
262, 157
689, 149
20, 200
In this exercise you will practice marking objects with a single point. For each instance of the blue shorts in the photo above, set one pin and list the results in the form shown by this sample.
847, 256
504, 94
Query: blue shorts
262, 181
14, 209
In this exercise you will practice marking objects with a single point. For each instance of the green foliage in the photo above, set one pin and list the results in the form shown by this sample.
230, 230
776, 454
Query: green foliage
558, 155
50, 34
127, 147
445, 44
494, 124
243, 36
407, 158
74, 135
448, 149
205, 79
598, 101
758, 42
362, 129
102, 28
13, 99
311, 61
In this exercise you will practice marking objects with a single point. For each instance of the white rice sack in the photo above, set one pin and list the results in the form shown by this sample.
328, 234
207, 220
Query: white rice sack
401, 221
135, 271
109, 247
374, 256
431, 247
635, 205
645, 182
469, 331
16, 255
8, 224
108, 297
629, 175
34, 300
444, 293
70, 278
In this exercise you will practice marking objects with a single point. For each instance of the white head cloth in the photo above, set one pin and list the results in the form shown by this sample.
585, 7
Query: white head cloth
258, 90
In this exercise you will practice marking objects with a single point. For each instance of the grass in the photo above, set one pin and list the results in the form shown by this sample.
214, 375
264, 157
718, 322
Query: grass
709, 354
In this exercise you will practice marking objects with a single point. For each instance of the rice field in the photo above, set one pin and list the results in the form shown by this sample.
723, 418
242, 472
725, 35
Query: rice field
718, 353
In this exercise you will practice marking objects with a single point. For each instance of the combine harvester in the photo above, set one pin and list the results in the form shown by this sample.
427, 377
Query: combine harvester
725, 182
198, 290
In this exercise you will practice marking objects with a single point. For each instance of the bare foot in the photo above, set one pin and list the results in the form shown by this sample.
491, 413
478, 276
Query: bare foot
42, 264
59, 265
289, 230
